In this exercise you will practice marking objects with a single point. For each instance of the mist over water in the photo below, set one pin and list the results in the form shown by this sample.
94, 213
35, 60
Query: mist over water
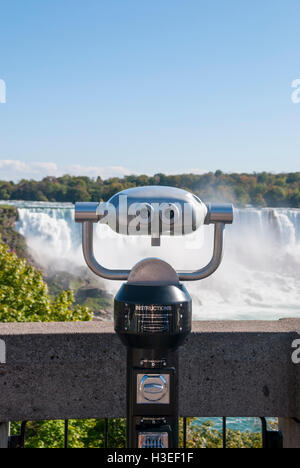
259, 277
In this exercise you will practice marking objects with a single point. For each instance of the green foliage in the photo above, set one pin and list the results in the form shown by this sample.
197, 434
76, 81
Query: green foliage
257, 189
24, 295
81, 434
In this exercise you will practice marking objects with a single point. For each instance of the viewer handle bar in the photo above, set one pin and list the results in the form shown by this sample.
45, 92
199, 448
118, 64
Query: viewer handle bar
122, 275
88, 253
215, 262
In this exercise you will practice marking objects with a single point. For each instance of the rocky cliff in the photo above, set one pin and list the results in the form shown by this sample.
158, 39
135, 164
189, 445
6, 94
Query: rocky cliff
15, 241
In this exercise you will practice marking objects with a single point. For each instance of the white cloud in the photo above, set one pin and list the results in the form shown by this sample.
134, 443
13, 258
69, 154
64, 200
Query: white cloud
44, 166
2, 92
12, 169
93, 171
12, 165
16, 170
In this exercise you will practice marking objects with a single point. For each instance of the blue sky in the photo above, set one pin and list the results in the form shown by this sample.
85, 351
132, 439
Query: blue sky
120, 86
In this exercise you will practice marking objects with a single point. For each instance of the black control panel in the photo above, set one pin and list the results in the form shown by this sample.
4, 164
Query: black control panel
152, 311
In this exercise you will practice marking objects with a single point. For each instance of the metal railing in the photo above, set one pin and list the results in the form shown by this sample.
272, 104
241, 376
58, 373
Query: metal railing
270, 438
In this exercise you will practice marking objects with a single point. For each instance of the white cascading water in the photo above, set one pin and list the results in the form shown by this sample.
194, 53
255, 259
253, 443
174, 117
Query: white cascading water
259, 277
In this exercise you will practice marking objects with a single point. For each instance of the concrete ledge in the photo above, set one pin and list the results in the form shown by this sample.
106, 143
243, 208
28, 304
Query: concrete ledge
77, 370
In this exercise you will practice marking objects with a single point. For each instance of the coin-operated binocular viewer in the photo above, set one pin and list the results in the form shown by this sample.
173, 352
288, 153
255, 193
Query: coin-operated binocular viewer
153, 310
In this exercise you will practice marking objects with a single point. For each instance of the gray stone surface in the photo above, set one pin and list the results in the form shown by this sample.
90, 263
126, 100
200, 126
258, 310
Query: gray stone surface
77, 370
4, 434
290, 430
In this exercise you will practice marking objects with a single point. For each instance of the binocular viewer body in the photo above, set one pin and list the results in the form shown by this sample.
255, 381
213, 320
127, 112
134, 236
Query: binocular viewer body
153, 211
153, 310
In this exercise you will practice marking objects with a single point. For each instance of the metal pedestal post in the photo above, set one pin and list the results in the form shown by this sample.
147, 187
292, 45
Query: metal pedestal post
152, 398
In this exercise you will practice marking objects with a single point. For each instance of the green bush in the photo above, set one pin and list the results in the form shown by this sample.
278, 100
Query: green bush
81, 433
24, 295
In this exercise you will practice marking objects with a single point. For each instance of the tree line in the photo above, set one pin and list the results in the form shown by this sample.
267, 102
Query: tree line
257, 189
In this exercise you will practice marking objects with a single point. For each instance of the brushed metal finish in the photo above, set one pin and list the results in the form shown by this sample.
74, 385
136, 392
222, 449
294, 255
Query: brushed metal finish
153, 271
153, 388
219, 213
86, 211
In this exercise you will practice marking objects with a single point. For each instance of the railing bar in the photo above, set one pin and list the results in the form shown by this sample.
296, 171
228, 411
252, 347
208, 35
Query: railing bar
23, 433
224, 432
264, 432
66, 433
184, 432
106, 433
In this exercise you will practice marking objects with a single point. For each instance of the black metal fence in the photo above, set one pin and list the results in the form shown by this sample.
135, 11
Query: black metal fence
270, 438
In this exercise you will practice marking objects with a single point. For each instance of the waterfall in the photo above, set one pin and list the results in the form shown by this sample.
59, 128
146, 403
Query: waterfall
258, 279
